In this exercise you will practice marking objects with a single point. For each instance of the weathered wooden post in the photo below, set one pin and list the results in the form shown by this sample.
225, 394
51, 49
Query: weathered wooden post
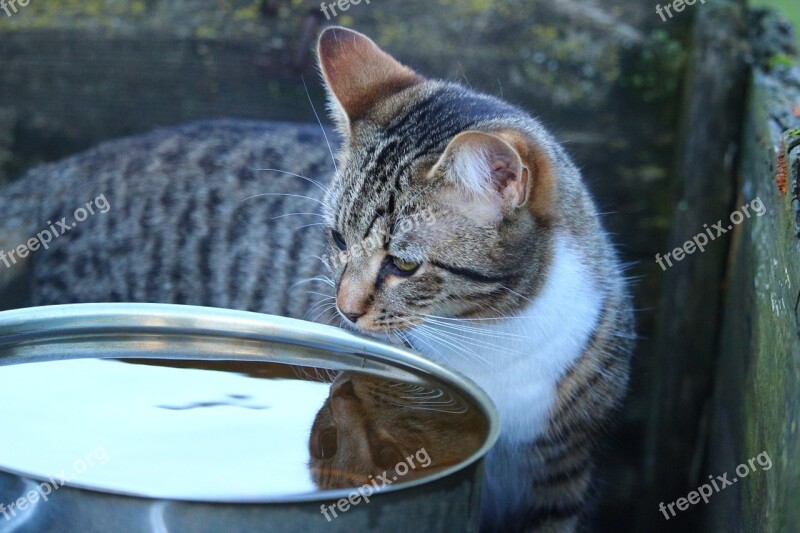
688, 314
756, 403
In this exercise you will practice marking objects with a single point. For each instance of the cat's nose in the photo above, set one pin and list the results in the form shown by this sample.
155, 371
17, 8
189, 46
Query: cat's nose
350, 301
352, 316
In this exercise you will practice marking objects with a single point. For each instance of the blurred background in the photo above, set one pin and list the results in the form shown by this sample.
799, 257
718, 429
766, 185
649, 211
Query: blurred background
646, 106
788, 8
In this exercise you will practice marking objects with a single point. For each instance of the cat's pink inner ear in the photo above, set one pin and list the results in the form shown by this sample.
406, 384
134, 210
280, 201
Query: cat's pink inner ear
357, 72
485, 163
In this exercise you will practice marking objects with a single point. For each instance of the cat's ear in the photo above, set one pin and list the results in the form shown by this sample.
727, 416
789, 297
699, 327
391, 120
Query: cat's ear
489, 169
358, 73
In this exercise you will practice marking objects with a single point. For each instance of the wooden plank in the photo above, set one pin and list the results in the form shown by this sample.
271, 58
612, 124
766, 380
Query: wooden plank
757, 398
688, 315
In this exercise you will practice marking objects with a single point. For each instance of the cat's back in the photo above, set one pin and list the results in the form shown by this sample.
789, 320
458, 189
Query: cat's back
173, 216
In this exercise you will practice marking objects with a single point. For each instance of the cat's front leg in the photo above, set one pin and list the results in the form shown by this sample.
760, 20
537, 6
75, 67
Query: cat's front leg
561, 476
543, 484
561, 459
537, 487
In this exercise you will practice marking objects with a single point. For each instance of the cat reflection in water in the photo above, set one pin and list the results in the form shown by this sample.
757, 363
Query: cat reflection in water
368, 426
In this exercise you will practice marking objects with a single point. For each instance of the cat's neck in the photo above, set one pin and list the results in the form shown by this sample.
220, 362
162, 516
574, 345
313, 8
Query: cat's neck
519, 360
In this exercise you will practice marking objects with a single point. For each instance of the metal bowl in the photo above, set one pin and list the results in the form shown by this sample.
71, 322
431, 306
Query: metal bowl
444, 499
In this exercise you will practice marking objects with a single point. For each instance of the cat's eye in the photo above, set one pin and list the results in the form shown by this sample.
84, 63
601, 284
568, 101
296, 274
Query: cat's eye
404, 268
326, 444
338, 240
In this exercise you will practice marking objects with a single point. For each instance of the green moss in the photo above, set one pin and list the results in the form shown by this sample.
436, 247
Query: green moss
227, 18
205, 32
249, 12
760, 343
781, 60
472, 7
656, 71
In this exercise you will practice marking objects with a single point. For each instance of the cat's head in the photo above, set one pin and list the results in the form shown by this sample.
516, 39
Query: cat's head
369, 425
443, 198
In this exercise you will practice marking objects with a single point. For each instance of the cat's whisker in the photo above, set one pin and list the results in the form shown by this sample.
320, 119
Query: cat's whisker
406, 340
313, 308
302, 197
320, 375
333, 157
471, 329
463, 341
467, 340
464, 75
420, 336
438, 409
328, 322
398, 384
323, 279
325, 296
306, 178
449, 401
445, 339
324, 310
309, 225
471, 319
330, 299
477, 331
316, 306
318, 258
297, 214
470, 332
515, 293
301, 373
428, 396
432, 400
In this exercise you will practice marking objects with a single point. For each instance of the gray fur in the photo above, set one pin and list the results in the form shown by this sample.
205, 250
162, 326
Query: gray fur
181, 227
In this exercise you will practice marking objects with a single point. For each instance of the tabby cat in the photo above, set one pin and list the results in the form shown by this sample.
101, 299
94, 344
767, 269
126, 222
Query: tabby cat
508, 277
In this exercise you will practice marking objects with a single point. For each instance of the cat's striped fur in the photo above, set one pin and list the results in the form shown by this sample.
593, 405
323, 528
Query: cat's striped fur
518, 288
516, 253
184, 225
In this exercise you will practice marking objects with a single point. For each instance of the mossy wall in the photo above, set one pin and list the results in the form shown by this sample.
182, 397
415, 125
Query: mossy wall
756, 405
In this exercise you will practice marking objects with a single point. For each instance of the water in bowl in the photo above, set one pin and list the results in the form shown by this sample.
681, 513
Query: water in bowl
227, 430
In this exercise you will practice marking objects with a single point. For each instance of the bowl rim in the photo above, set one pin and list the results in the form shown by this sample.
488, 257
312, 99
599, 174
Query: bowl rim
38, 334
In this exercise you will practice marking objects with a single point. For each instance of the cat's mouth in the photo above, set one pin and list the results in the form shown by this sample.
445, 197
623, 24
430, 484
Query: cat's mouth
383, 329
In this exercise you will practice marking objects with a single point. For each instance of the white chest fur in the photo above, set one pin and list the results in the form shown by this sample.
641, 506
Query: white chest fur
519, 361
